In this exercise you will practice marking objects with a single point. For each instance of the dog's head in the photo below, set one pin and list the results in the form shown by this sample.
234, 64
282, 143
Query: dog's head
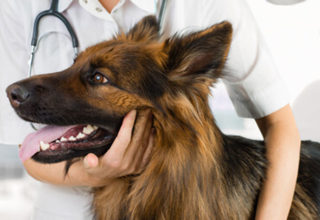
134, 71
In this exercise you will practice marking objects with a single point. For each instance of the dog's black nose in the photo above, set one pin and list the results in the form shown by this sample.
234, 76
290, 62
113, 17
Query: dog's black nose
17, 95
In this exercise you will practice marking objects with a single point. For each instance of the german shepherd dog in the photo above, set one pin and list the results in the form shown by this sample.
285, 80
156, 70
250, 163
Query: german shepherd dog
195, 171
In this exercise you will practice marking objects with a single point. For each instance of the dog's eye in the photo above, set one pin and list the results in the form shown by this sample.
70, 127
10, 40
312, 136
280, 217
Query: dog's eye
98, 78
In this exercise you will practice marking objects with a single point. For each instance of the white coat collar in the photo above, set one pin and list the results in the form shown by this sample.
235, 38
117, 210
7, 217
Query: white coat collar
147, 5
94, 7
64, 5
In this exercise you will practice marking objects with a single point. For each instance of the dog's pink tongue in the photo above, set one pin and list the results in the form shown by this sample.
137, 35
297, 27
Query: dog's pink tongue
31, 143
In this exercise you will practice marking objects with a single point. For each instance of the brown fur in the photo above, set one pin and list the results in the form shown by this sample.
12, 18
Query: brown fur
195, 171
184, 179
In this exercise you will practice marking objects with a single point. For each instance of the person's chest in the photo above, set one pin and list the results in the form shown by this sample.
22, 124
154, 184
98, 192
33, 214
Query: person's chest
92, 25
54, 50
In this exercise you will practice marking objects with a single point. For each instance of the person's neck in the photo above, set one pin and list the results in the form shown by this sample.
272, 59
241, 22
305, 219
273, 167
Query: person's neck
109, 4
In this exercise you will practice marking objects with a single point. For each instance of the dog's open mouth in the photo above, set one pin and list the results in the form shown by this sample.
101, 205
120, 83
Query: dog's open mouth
57, 143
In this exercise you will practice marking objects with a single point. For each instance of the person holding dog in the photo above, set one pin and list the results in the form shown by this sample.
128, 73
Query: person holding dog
252, 82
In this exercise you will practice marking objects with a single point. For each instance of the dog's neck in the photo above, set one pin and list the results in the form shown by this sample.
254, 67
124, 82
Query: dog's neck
183, 168
186, 156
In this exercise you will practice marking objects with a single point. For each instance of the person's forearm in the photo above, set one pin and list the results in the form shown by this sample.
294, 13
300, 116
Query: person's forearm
283, 151
55, 174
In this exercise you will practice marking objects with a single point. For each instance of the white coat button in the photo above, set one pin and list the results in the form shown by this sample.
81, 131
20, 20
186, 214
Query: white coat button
98, 9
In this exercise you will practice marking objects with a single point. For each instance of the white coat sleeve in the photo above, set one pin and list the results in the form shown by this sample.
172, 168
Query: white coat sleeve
251, 77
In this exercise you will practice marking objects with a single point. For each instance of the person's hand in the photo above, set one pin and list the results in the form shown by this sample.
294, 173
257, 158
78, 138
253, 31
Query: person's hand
129, 153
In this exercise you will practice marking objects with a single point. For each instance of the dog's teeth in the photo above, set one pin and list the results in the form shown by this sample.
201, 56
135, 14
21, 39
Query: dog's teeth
80, 135
44, 146
88, 129
57, 141
72, 138
63, 139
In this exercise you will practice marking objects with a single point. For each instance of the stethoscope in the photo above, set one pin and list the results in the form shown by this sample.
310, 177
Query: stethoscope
53, 11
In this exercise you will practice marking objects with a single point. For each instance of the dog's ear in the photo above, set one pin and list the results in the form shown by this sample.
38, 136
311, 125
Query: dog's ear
147, 29
201, 53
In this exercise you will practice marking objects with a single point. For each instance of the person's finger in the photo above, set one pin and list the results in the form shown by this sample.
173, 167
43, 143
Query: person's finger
139, 139
142, 144
128, 163
142, 119
127, 124
123, 138
148, 129
147, 154
90, 161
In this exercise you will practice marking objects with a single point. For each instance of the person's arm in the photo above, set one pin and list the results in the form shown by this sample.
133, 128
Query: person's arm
283, 152
128, 154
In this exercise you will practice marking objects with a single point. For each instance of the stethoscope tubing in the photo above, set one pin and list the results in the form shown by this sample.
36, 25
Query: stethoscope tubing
34, 41
161, 13
53, 11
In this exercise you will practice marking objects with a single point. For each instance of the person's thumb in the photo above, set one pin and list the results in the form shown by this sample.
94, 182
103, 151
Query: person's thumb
90, 161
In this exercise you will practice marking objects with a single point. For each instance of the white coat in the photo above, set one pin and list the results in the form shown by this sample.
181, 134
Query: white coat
252, 80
